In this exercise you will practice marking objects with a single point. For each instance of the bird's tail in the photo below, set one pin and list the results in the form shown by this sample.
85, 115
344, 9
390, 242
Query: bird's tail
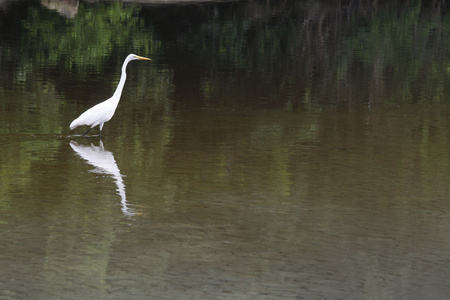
74, 124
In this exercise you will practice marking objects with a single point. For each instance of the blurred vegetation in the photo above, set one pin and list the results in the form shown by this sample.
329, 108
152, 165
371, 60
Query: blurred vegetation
92, 35
301, 55
321, 56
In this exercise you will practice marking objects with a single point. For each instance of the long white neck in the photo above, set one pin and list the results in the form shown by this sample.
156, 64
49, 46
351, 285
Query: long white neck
123, 78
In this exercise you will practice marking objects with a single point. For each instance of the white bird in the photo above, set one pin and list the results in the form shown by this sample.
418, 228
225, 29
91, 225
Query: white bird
104, 111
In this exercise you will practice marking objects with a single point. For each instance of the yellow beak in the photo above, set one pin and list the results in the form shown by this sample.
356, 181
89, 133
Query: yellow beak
141, 57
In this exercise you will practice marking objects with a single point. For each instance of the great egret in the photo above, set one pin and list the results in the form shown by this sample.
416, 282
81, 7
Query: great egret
104, 111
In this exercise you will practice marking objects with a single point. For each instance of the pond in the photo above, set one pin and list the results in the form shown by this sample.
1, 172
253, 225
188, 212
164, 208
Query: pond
269, 150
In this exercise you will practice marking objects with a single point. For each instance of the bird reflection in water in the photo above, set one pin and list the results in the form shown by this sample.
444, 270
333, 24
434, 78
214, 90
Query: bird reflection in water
104, 163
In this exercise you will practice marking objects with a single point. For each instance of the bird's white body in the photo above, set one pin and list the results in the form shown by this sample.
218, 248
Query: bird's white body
96, 115
104, 111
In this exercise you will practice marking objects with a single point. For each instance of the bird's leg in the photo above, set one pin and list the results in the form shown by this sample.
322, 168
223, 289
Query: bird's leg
101, 127
84, 134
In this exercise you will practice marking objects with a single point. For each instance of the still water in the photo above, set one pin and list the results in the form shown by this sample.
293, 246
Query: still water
270, 150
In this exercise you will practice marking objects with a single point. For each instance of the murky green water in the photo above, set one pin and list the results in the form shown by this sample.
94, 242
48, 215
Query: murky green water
266, 152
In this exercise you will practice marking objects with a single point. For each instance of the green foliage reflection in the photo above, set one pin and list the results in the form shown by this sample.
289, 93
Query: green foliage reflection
94, 33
